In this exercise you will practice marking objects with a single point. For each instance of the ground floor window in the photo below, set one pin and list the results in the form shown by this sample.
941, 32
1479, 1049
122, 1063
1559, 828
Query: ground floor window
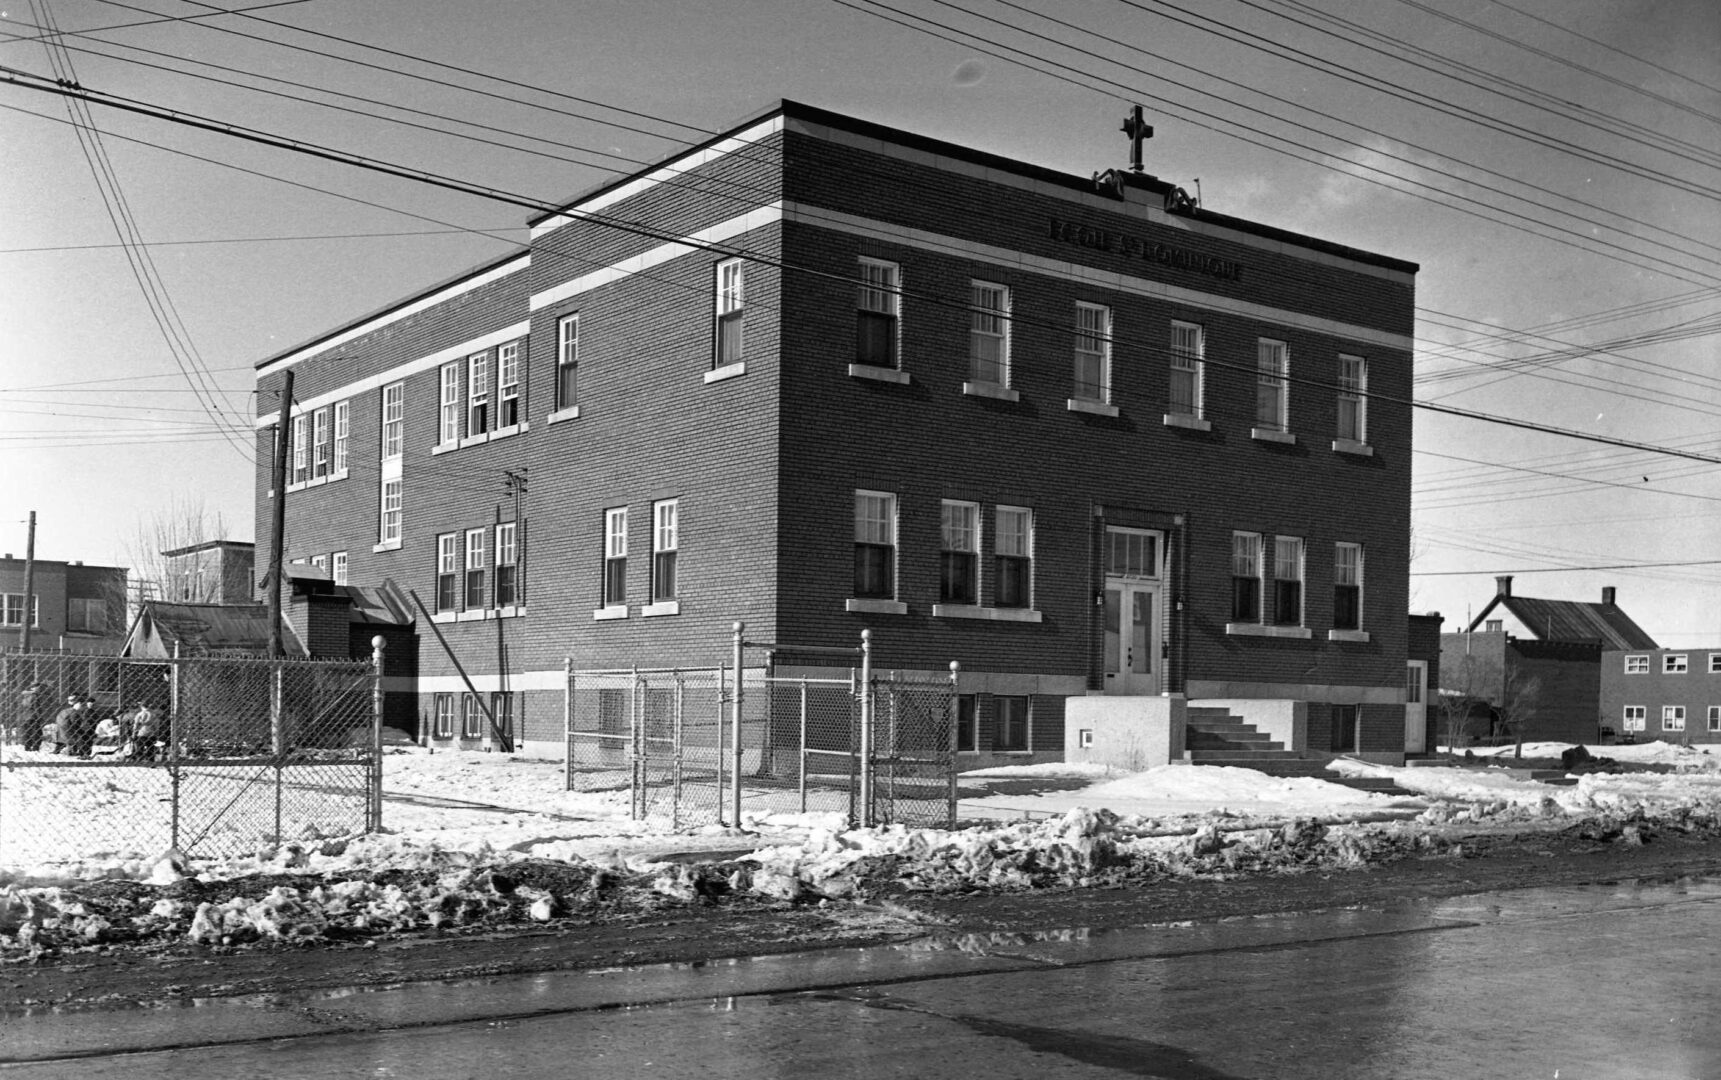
471, 717
1634, 717
1344, 728
967, 724
1715, 718
1673, 718
443, 727
1010, 730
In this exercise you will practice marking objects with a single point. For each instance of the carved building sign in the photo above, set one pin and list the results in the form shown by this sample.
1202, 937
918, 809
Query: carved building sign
1134, 247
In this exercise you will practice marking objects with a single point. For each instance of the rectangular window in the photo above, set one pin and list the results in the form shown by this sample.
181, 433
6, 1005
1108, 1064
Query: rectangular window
665, 543
876, 313
1714, 718
1188, 350
1272, 390
1287, 581
448, 572
321, 562
1637, 665
507, 566
343, 428
508, 384
1246, 577
13, 612
478, 394
967, 724
1635, 715
1674, 664
1715, 663
567, 362
1010, 732
338, 567
1347, 586
1093, 352
1673, 718
320, 443
301, 451
959, 557
88, 615
474, 569
393, 408
471, 717
1353, 404
875, 545
1132, 553
1014, 544
389, 528
443, 725
502, 707
448, 419
615, 556
989, 334
731, 306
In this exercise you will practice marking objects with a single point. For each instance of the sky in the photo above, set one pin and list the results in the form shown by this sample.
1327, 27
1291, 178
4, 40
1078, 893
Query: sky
1554, 168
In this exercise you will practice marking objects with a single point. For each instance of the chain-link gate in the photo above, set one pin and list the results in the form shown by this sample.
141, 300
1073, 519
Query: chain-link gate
213, 756
693, 748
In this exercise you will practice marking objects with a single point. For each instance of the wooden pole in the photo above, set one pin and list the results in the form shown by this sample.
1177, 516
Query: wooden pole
283, 446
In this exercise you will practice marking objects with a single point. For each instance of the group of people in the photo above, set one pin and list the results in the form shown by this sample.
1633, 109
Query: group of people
131, 734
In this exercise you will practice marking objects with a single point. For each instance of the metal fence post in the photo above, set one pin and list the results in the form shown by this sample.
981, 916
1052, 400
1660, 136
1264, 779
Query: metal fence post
866, 729
676, 750
277, 734
373, 819
803, 746
568, 719
953, 714
735, 725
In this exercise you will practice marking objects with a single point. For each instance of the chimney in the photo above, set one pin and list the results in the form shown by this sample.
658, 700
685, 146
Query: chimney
1607, 595
1503, 585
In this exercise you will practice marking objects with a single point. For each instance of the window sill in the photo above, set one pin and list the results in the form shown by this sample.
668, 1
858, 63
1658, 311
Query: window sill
1351, 446
1092, 408
510, 612
990, 614
1261, 434
613, 611
475, 440
879, 374
386, 545
510, 431
1249, 629
445, 617
318, 481
1347, 635
1187, 420
572, 412
443, 448
473, 615
662, 607
990, 390
727, 371
875, 607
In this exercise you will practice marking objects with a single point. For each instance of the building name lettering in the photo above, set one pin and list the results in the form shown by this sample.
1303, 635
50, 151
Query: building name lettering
1134, 247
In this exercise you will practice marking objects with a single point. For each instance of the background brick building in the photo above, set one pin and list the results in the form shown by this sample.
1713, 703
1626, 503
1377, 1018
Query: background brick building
1668, 694
820, 375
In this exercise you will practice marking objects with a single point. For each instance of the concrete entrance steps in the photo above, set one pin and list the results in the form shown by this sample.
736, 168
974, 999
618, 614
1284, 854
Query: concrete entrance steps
1216, 737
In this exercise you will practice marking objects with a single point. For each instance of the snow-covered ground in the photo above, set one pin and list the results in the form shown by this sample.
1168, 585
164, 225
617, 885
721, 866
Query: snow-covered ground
460, 815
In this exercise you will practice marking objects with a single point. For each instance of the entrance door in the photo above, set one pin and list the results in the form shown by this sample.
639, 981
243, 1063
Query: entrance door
1132, 639
1416, 707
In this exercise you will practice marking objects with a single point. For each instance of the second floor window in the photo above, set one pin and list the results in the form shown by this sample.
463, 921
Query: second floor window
508, 385
507, 566
478, 394
1187, 350
1353, 406
1245, 577
389, 527
567, 361
448, 572
1288, 581
876, 313
1272, 391
320, 443
474, 569
615, 556
338, 567
1014, 542
343, 428
1093, 352
959, 558
448, 418
730, 308
665, 545
393, 406
875, 545
301, 451
989, 334
1347, 586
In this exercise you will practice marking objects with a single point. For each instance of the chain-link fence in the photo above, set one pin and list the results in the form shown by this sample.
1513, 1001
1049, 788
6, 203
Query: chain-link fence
118, 759
672, 739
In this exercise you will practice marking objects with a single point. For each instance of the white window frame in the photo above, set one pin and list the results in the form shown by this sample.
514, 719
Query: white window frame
12, 609
1188, 355
508, 384
880, 293
1673, 718
989, 322
1027, 746
301, 451
389, 524
471, 717
1715, 663
393, 422
1353, 396
876, 526
1348, 574
1714, 724
1272, 384
1635, 718
1290, 556
1637, 664
320, 444
442, 711
1093, 343
343, 430
474, 565
1013, 538
507, 555
665, 550
615, 548
1248, 564
959, 534
730, 289
321, 562
448, 568
338, 566
1675, 663
479, 418
448, 415
568, 362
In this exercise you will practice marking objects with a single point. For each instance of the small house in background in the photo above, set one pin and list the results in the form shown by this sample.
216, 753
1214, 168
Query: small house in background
205, 630
1668, 694
214, 572
72, 608
1537, 663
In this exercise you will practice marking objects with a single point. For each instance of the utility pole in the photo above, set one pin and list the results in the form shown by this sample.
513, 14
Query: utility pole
283, 446
29, 584
517, 483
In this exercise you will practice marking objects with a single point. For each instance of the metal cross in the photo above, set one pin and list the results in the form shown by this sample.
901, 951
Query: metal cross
1138, 131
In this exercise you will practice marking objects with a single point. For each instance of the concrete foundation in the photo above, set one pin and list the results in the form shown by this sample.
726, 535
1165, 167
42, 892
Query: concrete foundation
1127, 733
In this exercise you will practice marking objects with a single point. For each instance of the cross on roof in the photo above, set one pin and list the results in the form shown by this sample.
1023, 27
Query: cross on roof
1138, 131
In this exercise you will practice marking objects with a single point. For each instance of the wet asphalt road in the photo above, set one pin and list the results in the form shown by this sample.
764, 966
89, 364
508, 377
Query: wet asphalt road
1619, 981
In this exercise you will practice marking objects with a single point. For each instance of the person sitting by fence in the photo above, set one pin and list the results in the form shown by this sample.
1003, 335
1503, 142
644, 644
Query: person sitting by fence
106, 740
144, 744
82, 736
65, 723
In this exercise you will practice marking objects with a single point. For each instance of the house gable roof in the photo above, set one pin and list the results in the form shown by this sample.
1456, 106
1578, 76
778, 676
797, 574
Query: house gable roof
1572, 620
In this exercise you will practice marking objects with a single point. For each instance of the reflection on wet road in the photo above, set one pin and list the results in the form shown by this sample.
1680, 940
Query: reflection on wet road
1599, 982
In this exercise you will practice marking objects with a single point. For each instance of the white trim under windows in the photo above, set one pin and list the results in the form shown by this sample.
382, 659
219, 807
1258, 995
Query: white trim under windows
877, 320
615, 563
442, 711
989, 334
1674, 664
1352, 430
1013, 561
448, 416
730, 344
959, 554
665, 550
1092, 354
338, 566
474, 581
567, 367
1673, 718
1186, 377
1347, 593
448, 572
507, 567
1634, 718
1272, 390
1287, 581
12, 609
508, 386
875, 554
1636, 664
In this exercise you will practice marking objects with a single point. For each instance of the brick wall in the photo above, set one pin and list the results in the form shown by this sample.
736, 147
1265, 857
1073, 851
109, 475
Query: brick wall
1697, 690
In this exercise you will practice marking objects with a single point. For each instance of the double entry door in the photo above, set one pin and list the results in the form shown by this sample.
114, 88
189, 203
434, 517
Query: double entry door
1134, 601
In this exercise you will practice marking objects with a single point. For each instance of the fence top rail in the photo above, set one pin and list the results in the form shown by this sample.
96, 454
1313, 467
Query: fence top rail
355, 662
823, 650
613, 672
